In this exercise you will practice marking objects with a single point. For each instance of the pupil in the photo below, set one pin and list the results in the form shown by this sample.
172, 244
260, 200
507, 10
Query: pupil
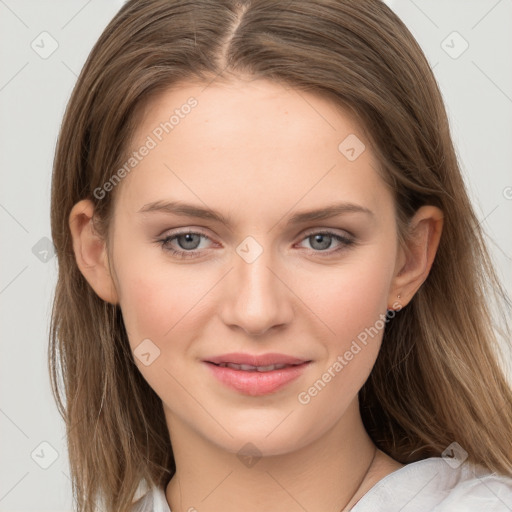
322, 238
189, 241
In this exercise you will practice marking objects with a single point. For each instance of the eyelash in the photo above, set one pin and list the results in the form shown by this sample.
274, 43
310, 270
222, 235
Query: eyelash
164, 243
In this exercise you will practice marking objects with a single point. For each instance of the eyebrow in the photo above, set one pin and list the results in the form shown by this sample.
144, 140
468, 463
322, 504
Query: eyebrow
189, 210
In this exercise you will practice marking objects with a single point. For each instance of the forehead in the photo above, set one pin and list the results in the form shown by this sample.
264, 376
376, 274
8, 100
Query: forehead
242, 109
249, 143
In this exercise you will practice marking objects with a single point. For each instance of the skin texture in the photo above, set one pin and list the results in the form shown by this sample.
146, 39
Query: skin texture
258, 153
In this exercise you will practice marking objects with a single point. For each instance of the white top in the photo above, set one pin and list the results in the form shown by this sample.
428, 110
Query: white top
431, 485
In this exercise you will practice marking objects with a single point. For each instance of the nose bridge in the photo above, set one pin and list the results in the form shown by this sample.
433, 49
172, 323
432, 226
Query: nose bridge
257, 298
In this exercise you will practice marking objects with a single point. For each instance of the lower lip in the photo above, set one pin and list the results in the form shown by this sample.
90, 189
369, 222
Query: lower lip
257, 383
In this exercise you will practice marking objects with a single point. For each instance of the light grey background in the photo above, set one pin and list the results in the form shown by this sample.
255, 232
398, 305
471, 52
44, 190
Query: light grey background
34, 88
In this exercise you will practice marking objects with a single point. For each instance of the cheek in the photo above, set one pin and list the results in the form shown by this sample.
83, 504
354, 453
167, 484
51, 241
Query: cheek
162, 307
156, 297
351, 297
353, 305
365, 296
154, 305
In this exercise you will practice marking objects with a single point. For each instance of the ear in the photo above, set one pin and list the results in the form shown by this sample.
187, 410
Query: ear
90, 251
415, 259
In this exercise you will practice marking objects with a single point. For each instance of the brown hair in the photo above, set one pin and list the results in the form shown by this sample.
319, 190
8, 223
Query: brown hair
437, 378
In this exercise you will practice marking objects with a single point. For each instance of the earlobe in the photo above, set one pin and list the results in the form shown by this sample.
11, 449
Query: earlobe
415, 260
91, 252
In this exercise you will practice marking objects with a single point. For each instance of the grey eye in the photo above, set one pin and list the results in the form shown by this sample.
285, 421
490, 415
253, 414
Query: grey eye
188, 240
320, 241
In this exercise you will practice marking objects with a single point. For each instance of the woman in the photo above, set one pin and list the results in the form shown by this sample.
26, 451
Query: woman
273, 290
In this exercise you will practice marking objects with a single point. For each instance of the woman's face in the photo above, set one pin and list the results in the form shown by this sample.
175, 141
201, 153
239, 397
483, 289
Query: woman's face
263, 278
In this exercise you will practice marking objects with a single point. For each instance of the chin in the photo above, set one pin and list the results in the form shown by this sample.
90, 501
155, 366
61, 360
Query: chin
260, 440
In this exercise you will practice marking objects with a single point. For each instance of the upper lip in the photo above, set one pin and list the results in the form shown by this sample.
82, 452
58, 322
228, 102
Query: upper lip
256, 360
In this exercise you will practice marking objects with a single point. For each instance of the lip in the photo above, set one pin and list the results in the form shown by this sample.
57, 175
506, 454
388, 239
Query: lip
255, 360
256, 383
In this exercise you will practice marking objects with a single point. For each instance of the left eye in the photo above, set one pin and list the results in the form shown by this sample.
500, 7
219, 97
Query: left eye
325, 238
188, 243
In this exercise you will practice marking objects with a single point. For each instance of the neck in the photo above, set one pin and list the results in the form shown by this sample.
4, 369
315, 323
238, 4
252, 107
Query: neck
330, 474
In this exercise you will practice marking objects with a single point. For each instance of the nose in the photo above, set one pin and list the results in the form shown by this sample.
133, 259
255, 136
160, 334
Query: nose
257, 297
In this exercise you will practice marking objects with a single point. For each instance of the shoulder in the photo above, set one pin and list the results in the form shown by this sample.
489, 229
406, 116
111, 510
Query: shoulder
153, 500
438, 485
475, 488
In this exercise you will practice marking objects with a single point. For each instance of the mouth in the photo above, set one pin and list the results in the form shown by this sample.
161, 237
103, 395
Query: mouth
251, 368
243, 361
256, 375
